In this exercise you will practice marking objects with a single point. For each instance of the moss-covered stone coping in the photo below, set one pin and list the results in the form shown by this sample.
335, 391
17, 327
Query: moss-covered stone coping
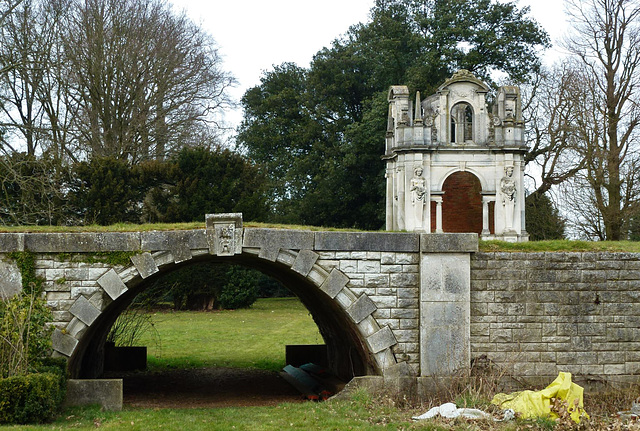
92, 242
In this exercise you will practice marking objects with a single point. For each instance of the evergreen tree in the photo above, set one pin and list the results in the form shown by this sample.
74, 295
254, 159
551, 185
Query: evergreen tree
543, 220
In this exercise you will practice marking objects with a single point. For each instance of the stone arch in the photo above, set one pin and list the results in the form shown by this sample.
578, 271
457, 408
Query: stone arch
483, 181
356, 343
462, 203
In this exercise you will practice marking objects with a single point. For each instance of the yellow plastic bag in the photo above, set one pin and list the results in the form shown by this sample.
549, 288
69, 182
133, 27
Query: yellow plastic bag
532, 404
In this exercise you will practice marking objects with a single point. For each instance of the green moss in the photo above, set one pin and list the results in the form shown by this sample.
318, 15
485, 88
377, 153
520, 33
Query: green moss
62, 257
130, 227
109, 257
26, 262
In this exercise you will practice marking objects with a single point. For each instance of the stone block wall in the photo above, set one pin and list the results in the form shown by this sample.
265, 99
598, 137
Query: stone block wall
391, 280
540, 313
66, 280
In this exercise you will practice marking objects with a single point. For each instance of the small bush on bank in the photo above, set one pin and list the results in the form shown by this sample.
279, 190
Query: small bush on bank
32, 385
32, 398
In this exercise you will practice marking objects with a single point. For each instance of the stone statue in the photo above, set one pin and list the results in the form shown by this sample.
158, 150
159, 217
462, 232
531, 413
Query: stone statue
508, 190
508, 186
418, 186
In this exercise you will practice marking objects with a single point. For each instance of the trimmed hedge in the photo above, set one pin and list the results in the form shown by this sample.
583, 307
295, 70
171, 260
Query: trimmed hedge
33, 398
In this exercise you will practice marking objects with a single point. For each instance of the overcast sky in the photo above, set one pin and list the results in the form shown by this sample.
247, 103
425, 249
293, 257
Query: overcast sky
254, 35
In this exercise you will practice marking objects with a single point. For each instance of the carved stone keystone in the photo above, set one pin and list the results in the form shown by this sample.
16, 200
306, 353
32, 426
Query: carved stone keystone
224, 233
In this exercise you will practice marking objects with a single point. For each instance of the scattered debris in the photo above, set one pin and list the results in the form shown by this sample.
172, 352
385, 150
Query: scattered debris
312, 381
634, 413
561, 392
451, 411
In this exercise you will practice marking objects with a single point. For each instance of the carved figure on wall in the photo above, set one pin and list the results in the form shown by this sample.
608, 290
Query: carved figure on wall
418, 186
508, 186
508, 189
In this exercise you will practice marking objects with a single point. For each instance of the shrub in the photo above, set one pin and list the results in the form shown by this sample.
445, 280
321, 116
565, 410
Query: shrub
241, 289
33, 398
25, 338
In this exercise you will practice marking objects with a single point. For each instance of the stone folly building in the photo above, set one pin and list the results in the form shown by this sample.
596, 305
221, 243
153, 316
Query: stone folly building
454, 165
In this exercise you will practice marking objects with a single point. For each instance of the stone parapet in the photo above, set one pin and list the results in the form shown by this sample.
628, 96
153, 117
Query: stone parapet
93, 242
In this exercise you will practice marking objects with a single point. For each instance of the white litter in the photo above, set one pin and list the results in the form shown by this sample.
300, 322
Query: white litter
451, 411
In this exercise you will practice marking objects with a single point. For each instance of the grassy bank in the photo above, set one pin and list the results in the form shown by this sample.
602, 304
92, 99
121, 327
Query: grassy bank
254, 337
358, 414
561, 245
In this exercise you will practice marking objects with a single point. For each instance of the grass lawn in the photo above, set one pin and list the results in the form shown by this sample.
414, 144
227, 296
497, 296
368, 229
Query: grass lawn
361, 413
254, 337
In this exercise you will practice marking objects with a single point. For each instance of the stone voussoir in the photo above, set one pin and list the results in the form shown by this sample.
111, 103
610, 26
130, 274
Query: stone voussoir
304, 262
361, 308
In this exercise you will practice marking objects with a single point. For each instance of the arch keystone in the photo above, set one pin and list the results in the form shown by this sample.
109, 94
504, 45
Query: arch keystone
224, 233
304, 262
112, 284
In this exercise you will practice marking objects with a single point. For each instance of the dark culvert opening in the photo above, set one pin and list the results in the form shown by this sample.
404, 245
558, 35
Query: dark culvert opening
346, 352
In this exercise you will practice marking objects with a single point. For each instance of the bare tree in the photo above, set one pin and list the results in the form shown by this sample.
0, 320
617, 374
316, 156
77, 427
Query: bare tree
551, 113
606, 42
30, 191
6, 8
141, 76
30, 96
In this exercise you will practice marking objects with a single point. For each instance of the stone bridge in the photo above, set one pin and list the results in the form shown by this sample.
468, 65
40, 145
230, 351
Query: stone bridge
390, 304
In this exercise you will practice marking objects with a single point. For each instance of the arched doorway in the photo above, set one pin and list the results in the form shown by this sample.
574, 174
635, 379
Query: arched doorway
462, 203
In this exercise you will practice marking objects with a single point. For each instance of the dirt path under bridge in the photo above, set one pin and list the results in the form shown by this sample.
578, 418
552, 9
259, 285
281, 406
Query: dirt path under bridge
206, 387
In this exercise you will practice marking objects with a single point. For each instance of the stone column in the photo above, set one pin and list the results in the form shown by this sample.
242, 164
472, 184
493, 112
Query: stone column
438, 201
485, 215
521, 198
401, 206
390, 197
445, 298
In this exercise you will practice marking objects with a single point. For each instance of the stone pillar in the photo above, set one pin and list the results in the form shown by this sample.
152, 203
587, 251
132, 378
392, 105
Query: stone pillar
438, 201
445, 298
521, 199
485, 215
401, 206
390, 197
